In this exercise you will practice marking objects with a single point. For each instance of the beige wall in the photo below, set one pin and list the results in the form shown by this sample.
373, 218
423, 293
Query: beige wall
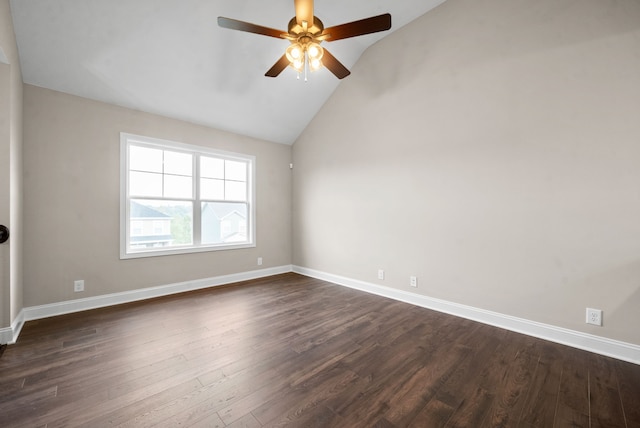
10, 171
492, 149
72, 182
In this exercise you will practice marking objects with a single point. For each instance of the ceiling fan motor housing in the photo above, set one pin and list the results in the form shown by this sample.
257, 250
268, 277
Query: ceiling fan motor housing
297, 30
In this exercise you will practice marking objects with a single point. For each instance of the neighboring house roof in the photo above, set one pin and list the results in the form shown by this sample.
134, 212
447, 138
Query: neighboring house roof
143, 211
223, 210
232, 214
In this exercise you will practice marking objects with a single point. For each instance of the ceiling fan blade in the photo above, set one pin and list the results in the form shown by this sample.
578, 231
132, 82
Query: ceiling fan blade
304, 11
334, 66
234, 24
278, 67
359, 28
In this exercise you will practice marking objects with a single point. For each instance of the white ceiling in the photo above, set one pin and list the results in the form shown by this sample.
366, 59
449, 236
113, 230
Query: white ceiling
169, 57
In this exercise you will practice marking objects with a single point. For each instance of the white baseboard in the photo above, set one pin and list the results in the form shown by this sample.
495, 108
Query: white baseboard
600, 345
9, 335
71, 306
588, 342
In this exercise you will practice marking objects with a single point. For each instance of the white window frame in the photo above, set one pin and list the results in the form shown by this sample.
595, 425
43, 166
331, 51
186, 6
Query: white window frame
126, 140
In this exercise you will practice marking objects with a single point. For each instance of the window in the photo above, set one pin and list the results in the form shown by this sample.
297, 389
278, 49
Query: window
177, 198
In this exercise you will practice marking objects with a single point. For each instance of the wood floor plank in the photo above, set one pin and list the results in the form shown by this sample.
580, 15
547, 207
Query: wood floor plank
605, 401
210, 421
202, 403
473, 410
294, 351
510, 390
629, 385
32, 398
539, 409
306, 400
239, 408
384, 372
113, 412
247, 421
456, 385
317, 417
573, 395
567, 416
438, 362
434, 414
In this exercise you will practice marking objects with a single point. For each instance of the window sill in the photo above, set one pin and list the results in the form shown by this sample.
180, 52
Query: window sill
183, 250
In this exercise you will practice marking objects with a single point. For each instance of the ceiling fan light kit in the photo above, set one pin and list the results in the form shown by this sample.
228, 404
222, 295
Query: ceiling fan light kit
305, 53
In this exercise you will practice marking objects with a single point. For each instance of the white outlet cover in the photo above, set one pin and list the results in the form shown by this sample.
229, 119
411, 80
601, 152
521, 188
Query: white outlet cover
594, 316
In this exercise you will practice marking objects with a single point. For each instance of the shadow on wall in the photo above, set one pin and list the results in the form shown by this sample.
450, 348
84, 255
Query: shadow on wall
531, 27
620, 285
623, 284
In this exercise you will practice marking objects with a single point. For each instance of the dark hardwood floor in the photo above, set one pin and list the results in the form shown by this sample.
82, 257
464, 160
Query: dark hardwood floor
294, 351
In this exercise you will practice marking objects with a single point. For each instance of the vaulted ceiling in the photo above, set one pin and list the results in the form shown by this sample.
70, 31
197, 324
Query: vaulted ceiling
169, 57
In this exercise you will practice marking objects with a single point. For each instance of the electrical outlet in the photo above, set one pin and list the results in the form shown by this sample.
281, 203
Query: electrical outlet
380, 274
259, 261
594, 316
413, 281
78, 285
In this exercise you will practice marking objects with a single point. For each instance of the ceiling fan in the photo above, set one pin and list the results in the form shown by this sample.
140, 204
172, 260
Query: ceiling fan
306, 32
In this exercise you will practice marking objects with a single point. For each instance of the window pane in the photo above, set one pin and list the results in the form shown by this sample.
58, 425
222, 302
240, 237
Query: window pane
211, 167
178, 163
145, 184
156, 224
223, 222
235, 191
177, 186
211, 189
163, 188
235, 170
145, 159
